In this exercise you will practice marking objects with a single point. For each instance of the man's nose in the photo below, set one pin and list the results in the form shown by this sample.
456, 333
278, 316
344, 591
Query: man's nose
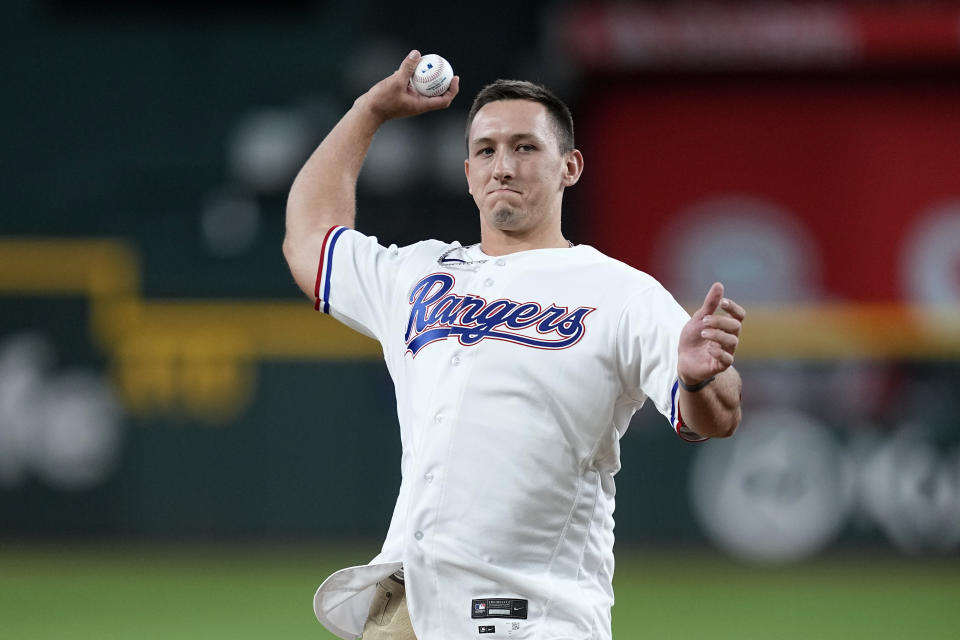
503, 167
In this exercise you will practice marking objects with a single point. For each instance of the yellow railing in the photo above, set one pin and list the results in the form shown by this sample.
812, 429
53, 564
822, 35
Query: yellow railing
199, 357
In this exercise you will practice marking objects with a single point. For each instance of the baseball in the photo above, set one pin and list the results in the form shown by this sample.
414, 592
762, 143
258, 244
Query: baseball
433, 75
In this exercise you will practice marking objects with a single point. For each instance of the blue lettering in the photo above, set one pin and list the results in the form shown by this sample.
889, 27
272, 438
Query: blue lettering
437, 314
526, 315
421, 299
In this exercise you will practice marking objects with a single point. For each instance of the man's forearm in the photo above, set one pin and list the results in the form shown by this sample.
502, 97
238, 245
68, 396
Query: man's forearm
713, 411
324, 192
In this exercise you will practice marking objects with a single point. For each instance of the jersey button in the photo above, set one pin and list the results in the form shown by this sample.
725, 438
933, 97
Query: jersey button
418, 535
438, 418
500, 262
455, 360
428, 476
488, 282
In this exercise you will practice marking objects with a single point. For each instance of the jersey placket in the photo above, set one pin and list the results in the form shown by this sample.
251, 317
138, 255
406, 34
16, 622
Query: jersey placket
435, 460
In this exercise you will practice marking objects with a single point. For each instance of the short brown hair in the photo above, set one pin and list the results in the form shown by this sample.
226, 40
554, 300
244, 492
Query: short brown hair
523, 90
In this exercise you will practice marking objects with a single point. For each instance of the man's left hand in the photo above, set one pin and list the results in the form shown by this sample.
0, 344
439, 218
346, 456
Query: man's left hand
709, 340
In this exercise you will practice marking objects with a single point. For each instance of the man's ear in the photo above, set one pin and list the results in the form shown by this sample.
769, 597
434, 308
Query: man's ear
466, 171
573, 167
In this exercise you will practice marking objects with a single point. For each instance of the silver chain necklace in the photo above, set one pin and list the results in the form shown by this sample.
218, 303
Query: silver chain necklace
457, 263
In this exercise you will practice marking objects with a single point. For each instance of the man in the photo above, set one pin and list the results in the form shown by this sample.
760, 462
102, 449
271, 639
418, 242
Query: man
518, 364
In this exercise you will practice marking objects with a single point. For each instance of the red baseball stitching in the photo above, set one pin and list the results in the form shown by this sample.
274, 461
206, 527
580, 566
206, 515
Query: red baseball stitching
433, 76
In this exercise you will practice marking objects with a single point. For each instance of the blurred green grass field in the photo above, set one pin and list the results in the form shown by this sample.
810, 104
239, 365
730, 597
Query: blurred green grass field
243, 592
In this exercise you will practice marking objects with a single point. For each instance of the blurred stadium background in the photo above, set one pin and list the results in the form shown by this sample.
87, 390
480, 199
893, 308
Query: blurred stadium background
187, 449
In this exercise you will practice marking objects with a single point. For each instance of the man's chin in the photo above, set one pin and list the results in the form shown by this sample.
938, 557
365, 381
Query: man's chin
505, 219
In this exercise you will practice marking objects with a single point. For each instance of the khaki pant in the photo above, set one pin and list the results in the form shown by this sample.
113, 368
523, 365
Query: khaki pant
388, 618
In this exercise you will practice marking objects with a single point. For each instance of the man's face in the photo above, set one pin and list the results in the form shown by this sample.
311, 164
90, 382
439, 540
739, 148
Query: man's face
514, 168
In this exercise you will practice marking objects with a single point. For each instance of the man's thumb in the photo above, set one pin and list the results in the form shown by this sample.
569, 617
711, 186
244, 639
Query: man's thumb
712, 300
410, 62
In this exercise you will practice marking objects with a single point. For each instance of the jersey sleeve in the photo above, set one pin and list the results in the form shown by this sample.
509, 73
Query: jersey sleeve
357, 279
648, 337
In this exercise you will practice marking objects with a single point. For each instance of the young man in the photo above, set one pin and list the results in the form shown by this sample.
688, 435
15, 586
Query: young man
518, 363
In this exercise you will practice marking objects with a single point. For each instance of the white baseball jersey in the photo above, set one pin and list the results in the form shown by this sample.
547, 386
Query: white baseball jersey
515, 377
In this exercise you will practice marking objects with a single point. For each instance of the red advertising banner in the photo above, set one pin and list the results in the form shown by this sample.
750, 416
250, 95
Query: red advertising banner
610, 36
790, 192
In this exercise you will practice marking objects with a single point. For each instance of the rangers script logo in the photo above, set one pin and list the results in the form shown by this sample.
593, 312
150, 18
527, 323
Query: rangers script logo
436, 314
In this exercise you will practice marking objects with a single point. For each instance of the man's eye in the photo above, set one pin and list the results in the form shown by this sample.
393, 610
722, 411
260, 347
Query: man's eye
525, 147
486, 151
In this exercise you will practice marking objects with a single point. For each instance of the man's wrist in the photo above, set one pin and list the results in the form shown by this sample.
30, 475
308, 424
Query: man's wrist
693, 388
366, 110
